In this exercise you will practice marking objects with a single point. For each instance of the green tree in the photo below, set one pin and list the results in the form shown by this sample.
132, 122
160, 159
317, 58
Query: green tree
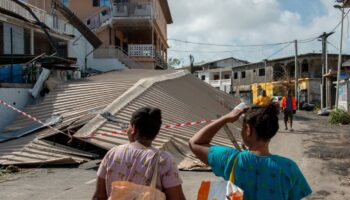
174, 62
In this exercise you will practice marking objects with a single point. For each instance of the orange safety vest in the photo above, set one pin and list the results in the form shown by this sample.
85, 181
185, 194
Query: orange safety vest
284, 103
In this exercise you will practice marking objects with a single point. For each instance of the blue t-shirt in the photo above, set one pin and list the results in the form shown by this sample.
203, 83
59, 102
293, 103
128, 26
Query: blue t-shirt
260, 177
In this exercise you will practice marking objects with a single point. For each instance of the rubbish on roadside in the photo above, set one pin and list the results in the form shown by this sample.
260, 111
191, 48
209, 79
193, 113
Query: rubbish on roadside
324, 112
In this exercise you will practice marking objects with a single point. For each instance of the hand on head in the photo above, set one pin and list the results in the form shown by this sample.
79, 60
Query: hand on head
235, 114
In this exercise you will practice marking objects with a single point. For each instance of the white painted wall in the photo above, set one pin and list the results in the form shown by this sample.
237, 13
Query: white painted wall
79, 48
17, 97
105, 65
17, 39
344, 95
204, 73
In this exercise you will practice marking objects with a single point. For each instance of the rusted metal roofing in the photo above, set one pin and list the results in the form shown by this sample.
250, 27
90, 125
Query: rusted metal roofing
182, 99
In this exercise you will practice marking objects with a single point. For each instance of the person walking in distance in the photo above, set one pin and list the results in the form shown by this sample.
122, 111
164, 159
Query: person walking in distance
289, 107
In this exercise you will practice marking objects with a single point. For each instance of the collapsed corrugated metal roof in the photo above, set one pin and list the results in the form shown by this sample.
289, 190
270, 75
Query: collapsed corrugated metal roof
32, 151
77, 102
182, 98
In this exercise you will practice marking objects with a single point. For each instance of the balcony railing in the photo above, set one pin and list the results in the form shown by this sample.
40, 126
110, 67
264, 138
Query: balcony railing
141, 50
117, 52
50, 21
140, 9
215, 83
98, 19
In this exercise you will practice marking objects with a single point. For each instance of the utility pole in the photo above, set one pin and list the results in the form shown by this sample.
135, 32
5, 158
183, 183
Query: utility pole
192, 61
265, 64
11, 40
340, 57
324, 85
296, 73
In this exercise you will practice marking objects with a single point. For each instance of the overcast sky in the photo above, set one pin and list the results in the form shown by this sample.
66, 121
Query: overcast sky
245, 22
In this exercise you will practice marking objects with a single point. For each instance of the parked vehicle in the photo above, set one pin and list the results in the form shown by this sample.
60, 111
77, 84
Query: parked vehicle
276, 99
310, 106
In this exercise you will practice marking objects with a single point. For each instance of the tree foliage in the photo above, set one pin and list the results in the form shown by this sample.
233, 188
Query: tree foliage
174, 62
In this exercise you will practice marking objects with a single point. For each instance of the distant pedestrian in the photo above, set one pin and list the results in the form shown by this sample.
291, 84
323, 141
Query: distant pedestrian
135, 161
260, 174
263, 99
289, 107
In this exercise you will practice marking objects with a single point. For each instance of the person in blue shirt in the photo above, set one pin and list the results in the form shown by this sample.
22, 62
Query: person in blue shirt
259, 173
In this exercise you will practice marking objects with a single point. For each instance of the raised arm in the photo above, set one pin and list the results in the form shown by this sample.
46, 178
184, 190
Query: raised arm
200, 142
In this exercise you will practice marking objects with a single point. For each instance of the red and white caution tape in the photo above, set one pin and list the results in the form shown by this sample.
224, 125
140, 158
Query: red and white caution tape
101, 134
29, 116
164, 126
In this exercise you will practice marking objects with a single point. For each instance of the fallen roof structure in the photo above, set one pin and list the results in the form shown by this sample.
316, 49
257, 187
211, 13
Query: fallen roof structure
76, 102
32, 151
181, 97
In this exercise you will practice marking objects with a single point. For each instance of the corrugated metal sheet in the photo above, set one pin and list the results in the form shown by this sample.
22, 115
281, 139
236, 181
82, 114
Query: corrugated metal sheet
38, 152
77, 99
77, 102
183, 99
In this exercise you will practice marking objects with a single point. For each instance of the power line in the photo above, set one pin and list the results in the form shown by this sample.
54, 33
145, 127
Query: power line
229, 45
340, 22
278, 51
333, 45
194, 51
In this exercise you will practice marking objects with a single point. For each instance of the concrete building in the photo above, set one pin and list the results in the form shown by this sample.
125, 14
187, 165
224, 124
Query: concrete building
133, 32
275, 78
21, 40
222, 63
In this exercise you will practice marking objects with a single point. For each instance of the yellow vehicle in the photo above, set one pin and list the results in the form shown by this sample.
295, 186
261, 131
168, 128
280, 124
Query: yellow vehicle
257, 89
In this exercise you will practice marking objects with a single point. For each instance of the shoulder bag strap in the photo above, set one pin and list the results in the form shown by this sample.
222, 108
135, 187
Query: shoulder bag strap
155, 172
232, 175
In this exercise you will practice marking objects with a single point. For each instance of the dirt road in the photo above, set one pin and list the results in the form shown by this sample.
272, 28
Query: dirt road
322, 152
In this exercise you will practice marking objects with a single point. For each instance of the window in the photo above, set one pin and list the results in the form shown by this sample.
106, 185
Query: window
235, 75
203, 77
88, 22
304, 67
101, 3
105, 3
226, 76
262, 72
243, 74
216, 77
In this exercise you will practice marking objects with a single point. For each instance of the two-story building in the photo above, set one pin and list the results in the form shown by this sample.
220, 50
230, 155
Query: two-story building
23, 40
275, 76
218, 73
132, 31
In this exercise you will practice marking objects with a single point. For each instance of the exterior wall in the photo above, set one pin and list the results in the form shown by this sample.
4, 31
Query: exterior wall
160, 19
18, 39
83, 10
105, 65
205, 74
230, 62
344, 96
105, 36
17, 97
